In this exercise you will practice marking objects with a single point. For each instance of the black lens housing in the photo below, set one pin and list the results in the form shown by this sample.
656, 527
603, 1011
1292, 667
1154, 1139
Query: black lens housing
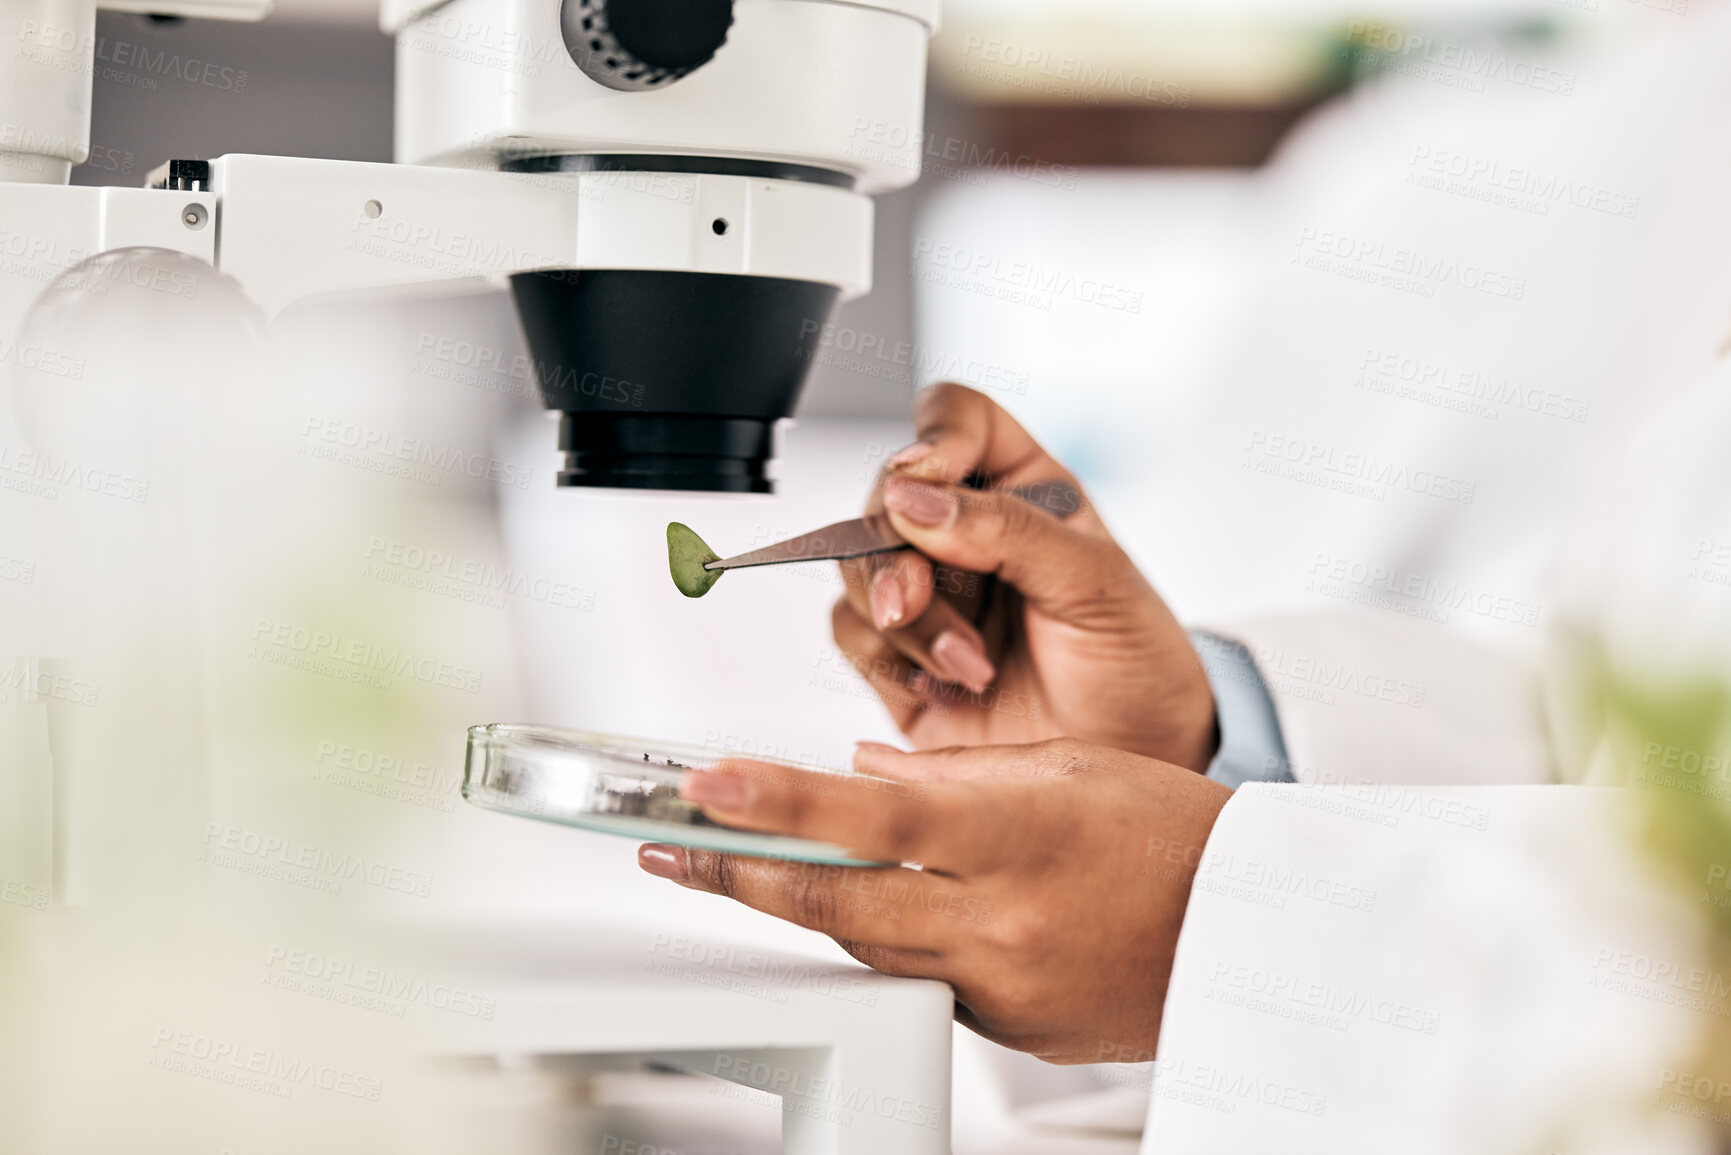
670, 380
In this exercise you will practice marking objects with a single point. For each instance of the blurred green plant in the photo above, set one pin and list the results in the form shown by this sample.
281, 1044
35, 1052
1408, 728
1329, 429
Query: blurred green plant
1668, 738
1671, 740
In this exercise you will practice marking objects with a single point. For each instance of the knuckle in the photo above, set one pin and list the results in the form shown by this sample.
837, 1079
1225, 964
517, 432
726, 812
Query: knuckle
809, 904
937, 399
1062, 756
949, 407
1021, 933
1009, 517
719, 870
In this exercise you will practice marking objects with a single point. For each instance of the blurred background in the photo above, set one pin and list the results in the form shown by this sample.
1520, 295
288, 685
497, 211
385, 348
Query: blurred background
1161, 104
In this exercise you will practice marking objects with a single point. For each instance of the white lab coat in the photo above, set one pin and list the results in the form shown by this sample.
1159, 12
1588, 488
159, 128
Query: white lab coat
1487, 969
1399, 629
1542, 982
1479, 970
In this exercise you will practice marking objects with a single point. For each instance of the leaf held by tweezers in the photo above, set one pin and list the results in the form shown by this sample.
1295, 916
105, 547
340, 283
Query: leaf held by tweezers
686, 556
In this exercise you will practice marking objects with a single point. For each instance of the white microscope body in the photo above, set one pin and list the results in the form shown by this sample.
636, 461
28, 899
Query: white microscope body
757, 161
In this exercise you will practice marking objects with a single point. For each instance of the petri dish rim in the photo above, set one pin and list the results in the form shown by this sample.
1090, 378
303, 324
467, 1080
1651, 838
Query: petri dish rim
557, 775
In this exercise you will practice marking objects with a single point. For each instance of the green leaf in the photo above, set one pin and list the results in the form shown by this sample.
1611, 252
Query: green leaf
686, 556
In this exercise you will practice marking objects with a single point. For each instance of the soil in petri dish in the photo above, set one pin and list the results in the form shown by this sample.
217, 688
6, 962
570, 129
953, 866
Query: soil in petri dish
663, 804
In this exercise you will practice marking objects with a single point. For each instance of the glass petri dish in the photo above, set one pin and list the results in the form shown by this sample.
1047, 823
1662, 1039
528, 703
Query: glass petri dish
616, 785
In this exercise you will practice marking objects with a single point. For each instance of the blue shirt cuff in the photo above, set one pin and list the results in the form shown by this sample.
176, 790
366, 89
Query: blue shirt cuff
1251, 746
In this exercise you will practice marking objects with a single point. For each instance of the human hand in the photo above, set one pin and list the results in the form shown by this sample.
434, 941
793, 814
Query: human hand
1053, 884
1072, 642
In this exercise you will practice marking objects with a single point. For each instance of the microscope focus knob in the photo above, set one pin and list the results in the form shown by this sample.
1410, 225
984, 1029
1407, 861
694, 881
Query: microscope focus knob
639, 45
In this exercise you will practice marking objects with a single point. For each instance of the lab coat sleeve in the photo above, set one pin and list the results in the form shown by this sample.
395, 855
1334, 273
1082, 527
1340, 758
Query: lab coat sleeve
1367, 695
1381, 969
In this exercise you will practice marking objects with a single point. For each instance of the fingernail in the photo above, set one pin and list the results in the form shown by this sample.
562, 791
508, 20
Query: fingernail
887, 607
664, 862
921, 504
912, 455
963, 660
722, 791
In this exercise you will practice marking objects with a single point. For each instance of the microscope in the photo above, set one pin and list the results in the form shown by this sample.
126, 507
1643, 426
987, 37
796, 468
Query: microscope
676, 192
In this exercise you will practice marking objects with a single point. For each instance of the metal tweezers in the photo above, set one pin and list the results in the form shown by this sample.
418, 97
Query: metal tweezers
863, 536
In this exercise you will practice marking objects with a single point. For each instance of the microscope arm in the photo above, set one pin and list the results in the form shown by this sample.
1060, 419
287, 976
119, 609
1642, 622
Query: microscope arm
288, 228
293, 228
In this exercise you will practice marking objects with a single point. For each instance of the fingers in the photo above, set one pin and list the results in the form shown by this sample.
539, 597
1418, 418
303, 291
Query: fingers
892, 920
946, 645
894, 592
961, 432
959, 763
862, 906
889, 589
950, 826
905, 668
1054, 563
885, 668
